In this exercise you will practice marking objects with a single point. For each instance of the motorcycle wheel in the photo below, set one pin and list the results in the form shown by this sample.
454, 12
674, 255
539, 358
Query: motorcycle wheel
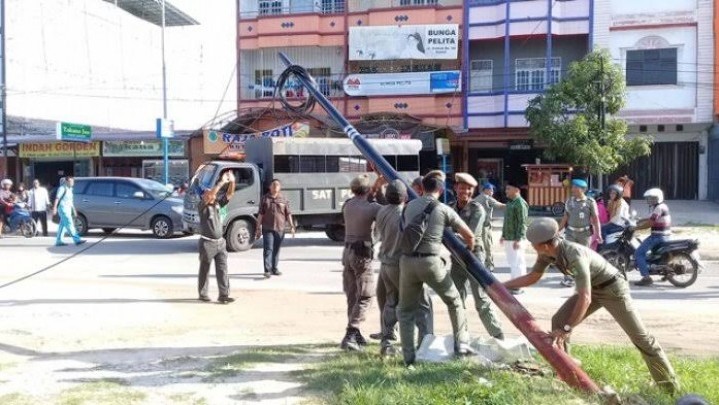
28, 229
690, 270
616, 259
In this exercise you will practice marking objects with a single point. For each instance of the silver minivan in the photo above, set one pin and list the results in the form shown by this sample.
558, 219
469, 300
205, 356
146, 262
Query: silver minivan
110, 203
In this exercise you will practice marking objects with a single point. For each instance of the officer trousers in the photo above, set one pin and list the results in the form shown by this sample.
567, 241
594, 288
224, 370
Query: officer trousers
584, 238
389, 278
515, 257
617, 300
482, 302
358, 286
213, 250
488, 241
414, 272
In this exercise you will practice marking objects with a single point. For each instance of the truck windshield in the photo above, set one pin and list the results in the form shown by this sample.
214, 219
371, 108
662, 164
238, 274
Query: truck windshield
203, 177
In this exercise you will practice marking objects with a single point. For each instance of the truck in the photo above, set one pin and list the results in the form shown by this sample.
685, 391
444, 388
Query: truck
315, 174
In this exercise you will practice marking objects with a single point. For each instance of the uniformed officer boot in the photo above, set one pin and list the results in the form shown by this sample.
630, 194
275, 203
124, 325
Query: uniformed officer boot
349, 342
361, 340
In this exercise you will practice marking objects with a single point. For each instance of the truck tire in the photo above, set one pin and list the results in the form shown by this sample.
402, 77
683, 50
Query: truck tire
240, 236
335, 232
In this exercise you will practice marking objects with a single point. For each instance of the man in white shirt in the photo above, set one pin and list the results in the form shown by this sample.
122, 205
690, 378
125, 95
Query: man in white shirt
39, 200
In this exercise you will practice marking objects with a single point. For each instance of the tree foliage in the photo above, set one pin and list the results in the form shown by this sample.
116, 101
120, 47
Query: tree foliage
567, 117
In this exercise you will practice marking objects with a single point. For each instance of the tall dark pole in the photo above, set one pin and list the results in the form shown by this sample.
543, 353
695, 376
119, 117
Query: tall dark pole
3, 95
165, 141
602, 113
567, 370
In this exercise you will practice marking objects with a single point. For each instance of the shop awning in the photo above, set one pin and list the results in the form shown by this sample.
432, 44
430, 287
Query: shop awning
151, 11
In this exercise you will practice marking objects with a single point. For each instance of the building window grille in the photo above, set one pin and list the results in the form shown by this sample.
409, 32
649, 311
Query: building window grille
418, 2
333, 6
264, 83
480, 75
270, 7
646, 67
531, 73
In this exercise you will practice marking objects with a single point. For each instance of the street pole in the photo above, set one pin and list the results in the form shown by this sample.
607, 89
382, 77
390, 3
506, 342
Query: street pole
165, 141
602, 114
566, 368
3, 93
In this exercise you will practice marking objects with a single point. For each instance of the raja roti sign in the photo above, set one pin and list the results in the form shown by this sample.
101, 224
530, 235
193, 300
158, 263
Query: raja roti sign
217, 142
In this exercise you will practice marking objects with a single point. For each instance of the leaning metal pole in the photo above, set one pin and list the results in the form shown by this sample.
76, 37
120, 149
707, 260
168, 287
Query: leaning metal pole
565, 367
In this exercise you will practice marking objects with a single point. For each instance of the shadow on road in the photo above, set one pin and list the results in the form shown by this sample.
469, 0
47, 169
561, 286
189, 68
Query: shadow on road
14, 303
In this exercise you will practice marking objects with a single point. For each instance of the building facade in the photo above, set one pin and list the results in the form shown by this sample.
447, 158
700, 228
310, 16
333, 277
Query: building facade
666, 50
514, 50
392, 67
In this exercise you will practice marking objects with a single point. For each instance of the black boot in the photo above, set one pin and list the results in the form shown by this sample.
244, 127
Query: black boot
361, 340
349, 342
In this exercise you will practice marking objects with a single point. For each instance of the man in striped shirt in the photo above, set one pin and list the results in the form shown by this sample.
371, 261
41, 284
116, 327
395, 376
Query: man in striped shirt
660, 222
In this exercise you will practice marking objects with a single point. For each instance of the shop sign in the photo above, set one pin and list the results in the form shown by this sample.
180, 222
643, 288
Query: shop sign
69, 132
217, 142
59, 150
141, 148
410, 83
392, 42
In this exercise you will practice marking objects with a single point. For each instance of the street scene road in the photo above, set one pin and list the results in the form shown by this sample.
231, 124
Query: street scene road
126, 308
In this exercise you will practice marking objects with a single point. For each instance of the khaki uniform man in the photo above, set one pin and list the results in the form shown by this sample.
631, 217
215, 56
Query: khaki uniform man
425, 266
486, 199
580, 218
598, 284
358, 281
388, 232
472, 213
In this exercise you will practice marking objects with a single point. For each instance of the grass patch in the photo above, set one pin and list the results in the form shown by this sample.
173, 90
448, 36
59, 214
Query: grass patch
16, 398
363, 378
187, 398
109, 392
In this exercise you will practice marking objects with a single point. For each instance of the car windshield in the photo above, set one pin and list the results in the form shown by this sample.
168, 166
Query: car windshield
156, 189
203, 177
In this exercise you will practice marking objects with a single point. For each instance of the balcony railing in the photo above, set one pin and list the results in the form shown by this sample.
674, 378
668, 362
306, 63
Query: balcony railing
264, 88
254, 9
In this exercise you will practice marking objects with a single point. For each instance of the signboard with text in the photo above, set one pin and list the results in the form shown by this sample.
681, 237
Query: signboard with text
69, 132
217, 142
59, 150
141, 148
410, 83
392, 42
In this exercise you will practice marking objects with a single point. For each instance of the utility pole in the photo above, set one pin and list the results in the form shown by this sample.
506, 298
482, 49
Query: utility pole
602, 113
3, 93
165, 141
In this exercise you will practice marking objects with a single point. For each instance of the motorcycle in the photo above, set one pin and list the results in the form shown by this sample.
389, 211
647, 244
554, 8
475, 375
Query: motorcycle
676, 261
25, 225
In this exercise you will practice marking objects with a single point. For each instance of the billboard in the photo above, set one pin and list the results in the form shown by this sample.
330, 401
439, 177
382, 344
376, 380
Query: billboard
391, 42
217, 142
410, 83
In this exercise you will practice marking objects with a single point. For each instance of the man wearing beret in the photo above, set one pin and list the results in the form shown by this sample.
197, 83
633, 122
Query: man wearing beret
472, 213
598, 284
514, 230
580, 220
358, 282
486, 199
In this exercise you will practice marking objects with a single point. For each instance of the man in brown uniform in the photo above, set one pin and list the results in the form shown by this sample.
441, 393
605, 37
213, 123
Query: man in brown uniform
274, 217
359, 215
598, 284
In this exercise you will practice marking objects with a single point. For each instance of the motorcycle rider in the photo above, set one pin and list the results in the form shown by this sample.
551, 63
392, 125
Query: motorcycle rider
660, 222
618, 210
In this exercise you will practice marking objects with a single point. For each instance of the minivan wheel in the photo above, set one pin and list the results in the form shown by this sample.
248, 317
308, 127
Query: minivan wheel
240, 236
162, 227
81, 225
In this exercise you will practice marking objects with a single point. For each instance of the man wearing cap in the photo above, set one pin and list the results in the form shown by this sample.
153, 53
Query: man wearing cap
486, 199
598, 284
357, 278
580, 220
472, 213
388, 231
514, 230
424, 265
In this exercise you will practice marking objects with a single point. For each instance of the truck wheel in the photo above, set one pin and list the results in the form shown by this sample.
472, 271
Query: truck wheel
335, 232
239, 236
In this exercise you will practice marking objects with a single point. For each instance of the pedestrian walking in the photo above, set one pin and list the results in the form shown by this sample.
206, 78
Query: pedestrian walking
212, 245
5, 194
39, 202
64, 207
580, 220
513, 232
358, 281
598, 285
474, 216
388, 232
660, 223
273, 219
424, 265
486, 199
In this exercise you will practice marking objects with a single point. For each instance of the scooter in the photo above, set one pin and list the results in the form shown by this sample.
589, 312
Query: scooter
676, 261
25, 225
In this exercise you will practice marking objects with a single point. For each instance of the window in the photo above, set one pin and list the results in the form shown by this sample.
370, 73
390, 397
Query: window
244, 178
530, 73
333, 6
270, 7
264, 83
407, 163
418, 2
323, 78
648, 67
100, 189
480, 75
126, 190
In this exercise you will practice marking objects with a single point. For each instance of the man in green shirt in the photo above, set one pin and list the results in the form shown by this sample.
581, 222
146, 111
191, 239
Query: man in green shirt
513, 232
598, 284
486, 199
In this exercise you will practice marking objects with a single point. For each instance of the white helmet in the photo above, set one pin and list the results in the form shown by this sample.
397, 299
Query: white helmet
656, 193
6, 181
